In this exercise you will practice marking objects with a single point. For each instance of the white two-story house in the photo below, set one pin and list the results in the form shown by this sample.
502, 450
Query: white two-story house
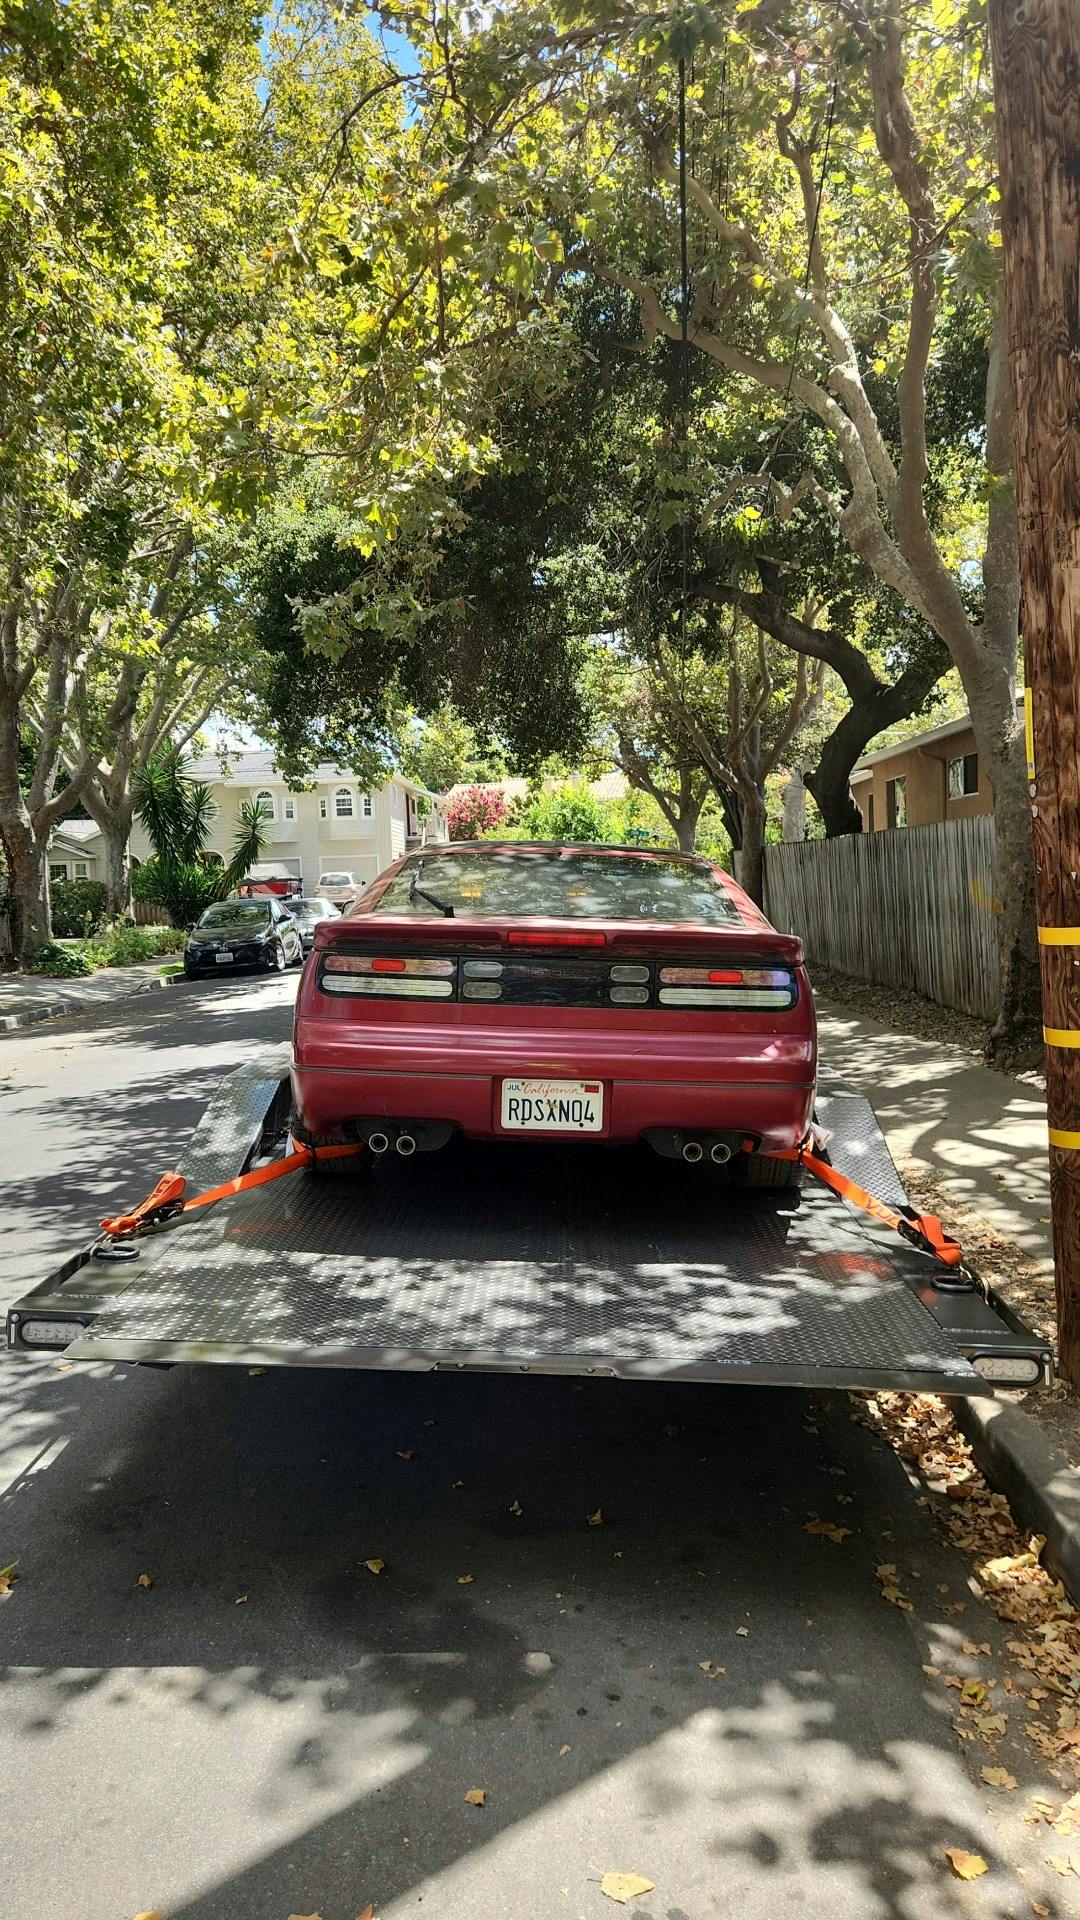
332, 825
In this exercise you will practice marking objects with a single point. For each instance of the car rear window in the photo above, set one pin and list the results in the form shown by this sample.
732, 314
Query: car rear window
337, 880
578, 886
313, 909
235, 913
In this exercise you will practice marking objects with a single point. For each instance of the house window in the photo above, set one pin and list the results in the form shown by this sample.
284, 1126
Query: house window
322, 808
290, 807
58, 870
264, 803
367, 806
963, 776
82, 870
344, 808
896, 801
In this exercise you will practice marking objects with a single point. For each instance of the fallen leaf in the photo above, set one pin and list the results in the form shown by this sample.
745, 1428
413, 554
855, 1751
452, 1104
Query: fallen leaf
711, 1671
932, 1672
563, 1751
465, 1579
458, 1483
625, 1886
999, 1777
375, 1566
743, 1633
1062, 1865
966, 1866
369, 1911
517, 1508
476, 1797
971, 1648
827, 1530
241, 1600
406, 1453
64, 1367
1037, 1907
144, 1580
958, 1606
254, 1372
596, 1519
974, 1691
8, 1577
991, 1722
152, 1913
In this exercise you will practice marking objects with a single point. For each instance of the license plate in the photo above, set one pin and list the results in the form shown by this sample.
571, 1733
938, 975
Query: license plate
224, 959
552, 1106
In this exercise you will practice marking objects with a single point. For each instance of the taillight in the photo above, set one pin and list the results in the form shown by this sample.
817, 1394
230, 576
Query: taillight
525, 937
753, 988
388, 975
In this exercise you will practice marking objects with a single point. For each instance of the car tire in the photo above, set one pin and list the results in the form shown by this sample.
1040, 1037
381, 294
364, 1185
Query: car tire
763, 1173
276, 958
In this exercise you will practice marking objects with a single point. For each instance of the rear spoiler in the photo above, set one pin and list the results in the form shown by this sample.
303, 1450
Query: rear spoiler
666, 938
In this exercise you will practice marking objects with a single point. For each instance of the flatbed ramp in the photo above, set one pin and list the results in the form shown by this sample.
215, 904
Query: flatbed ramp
547, 1259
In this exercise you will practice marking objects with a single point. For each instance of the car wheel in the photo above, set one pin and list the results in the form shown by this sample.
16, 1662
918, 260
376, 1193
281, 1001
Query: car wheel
761, 1171
276, 961
190, 973
298, 960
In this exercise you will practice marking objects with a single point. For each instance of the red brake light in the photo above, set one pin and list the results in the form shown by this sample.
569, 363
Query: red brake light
388, 966
519, 937
731, 977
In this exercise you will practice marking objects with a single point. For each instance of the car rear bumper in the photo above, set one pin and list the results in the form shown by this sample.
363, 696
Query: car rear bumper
764, 1087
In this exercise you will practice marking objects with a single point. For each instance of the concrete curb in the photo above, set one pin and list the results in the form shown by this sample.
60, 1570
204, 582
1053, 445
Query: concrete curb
35, 1016
1035, 1477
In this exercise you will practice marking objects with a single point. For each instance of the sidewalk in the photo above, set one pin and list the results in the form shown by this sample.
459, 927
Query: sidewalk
26, 999
980, 1136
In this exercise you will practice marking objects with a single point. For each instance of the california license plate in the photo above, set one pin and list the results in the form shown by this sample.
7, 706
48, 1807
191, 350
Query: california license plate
224, 959
553, 1106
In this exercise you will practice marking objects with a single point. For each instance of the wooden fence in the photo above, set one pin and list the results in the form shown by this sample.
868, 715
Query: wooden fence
913, 907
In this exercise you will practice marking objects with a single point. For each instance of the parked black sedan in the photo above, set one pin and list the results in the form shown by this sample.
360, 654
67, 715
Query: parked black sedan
243, 933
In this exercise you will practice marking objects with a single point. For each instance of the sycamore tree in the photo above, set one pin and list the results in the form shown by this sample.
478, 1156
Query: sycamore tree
842, 206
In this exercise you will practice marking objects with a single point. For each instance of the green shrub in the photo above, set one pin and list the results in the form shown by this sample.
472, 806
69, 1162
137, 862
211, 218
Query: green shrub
62, 963
121, 946
78, 907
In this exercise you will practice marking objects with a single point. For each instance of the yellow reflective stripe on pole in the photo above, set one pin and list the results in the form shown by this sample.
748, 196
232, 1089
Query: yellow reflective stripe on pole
1061, 1137
1029, 734
1059, 936
1062, 1036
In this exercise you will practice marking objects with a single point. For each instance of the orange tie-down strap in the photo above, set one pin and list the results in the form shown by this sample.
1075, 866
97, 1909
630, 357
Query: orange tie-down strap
924, 1230
168, 1197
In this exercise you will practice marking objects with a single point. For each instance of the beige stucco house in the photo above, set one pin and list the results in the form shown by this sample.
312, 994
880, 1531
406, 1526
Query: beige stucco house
938, 775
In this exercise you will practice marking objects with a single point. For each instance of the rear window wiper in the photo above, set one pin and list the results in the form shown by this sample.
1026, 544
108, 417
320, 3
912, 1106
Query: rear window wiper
417, 892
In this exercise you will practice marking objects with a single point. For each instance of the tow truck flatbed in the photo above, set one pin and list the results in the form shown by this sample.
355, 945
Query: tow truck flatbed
543, 1259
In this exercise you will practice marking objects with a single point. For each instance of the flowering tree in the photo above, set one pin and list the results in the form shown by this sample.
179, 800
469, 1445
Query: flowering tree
475, 811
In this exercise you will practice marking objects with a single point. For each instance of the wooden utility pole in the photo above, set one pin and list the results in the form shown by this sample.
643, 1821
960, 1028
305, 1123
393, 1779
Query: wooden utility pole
1036, 50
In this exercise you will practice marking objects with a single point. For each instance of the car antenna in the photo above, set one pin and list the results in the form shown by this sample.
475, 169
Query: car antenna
416, 891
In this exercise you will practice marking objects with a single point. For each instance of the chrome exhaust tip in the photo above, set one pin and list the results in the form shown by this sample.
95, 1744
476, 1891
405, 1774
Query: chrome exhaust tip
693, 1151
405, 1145
378, 1142
720, 1153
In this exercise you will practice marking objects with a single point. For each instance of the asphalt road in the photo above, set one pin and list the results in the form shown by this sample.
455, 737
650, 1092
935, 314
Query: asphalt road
272, 1729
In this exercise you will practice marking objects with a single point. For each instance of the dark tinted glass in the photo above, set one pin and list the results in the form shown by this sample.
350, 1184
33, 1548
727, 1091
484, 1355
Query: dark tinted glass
576, 886
236, 913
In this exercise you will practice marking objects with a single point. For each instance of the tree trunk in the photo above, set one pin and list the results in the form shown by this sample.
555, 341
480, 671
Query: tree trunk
114, 825
794, 821
29, 883
686, 832
752, 862
1014, 903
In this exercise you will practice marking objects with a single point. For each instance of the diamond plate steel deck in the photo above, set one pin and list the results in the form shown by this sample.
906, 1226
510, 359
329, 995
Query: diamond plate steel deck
572, 1259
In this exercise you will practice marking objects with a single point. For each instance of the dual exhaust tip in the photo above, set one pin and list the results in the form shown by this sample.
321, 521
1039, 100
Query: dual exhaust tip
403, 1143
719, 1152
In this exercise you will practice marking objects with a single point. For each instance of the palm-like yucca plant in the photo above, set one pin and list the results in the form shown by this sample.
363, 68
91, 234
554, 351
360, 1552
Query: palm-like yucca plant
177, 813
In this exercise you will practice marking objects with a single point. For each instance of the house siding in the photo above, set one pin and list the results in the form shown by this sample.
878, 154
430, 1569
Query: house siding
925, 769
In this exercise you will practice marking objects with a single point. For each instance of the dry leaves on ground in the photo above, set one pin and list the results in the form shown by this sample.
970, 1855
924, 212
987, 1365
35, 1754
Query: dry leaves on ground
1007, 1572
711, 1671
375, 1566
966, 1866
625, 1886
8, 1577
891, 1591
565, 1750
999, 1777
144, 1580
406, 1453
827, 1529
465, 1579
476, 1797
596, 1519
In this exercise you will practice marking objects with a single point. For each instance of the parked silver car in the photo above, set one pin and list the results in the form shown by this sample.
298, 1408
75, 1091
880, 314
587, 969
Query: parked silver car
307, 912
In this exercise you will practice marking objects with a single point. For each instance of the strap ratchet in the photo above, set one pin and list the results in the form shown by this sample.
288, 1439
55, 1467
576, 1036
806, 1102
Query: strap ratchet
167, 1199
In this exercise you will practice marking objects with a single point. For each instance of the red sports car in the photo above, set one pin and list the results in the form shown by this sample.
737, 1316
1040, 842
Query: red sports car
535, 992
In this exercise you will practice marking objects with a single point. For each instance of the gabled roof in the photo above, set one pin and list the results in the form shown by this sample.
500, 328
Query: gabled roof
246, 767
